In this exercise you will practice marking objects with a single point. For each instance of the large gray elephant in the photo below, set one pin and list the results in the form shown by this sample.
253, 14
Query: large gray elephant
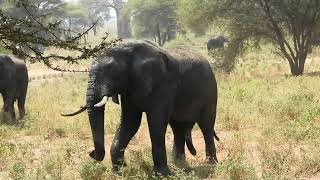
175, 87
13, 84
216, 42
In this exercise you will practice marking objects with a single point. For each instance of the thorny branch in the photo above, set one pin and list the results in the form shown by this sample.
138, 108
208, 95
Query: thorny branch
31, 30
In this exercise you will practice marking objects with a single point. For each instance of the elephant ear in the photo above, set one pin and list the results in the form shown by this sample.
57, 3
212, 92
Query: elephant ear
1, 69
148, 71
6, 67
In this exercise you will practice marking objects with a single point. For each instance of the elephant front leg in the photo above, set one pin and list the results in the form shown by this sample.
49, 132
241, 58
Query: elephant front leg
157, 123
130, 123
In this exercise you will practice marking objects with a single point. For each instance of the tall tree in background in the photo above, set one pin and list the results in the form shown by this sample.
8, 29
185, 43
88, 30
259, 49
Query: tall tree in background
123, 21
289, 24
153, 19
195, 15
98, 12
76, 19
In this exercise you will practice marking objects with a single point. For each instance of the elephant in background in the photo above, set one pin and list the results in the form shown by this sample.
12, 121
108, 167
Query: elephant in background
175, 87
216, 42
13, 84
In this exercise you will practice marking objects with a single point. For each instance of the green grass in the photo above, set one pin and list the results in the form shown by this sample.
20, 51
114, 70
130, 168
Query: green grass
268, 123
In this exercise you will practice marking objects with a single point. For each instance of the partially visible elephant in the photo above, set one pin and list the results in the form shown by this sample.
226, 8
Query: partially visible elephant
216, 42
13, 84
174, 86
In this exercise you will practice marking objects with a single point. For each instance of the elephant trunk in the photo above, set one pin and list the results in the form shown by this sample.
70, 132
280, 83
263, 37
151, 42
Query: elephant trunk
96, 118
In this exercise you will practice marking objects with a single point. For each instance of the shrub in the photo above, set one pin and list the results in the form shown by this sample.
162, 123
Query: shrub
92, 170
18, 171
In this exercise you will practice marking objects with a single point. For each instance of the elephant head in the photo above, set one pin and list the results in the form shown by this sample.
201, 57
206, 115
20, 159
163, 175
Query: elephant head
7, 69
127, 70
108, 77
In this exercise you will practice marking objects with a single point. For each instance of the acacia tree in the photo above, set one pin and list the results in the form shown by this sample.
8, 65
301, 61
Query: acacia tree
39, 28
153, 19
289, 24
10, 9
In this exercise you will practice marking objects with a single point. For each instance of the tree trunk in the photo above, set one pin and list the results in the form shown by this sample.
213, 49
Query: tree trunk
95, 30
297, 68
123, 25
158, 33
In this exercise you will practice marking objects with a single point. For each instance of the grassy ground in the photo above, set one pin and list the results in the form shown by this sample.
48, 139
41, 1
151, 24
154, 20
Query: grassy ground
268, 123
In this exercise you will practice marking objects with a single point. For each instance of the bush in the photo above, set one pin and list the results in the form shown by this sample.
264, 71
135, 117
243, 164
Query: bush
92, 170
18, 171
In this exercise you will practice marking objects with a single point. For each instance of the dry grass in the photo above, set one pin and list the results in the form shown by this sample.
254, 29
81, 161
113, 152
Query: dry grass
269, 126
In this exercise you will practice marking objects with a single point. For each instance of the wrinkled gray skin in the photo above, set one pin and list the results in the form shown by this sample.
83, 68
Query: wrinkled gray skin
216, 42
13, 85
173, 87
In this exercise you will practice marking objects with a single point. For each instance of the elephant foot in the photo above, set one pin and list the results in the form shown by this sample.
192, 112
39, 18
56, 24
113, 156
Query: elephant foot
117, 159
179, 157
212, 160
162, 171
21, 115
97, 155
9, 117
117, 167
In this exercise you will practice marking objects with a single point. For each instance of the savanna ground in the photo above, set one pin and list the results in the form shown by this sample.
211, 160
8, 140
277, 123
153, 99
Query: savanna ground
268, 123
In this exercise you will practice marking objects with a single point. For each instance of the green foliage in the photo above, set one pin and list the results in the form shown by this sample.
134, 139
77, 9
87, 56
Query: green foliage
194, 15
92, 170
18, 171
76, 11
235, 169
225, 58
51, 167
3, 50
6, 148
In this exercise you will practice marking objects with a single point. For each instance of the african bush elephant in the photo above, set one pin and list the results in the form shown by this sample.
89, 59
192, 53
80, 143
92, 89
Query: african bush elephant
175, 87
13, 84
216, 42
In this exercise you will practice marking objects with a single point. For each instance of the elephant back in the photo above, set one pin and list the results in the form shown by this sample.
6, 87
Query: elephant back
186, 59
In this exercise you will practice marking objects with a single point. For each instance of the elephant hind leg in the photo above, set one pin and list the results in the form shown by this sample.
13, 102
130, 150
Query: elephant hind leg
8, 107
21, 103
178, 151
206, 125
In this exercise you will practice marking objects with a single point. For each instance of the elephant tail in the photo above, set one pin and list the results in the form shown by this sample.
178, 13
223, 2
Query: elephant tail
189, 143
82, 108
216, 136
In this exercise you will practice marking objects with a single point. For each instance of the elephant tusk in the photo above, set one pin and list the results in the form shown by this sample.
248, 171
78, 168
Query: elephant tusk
82, 108
102, 102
